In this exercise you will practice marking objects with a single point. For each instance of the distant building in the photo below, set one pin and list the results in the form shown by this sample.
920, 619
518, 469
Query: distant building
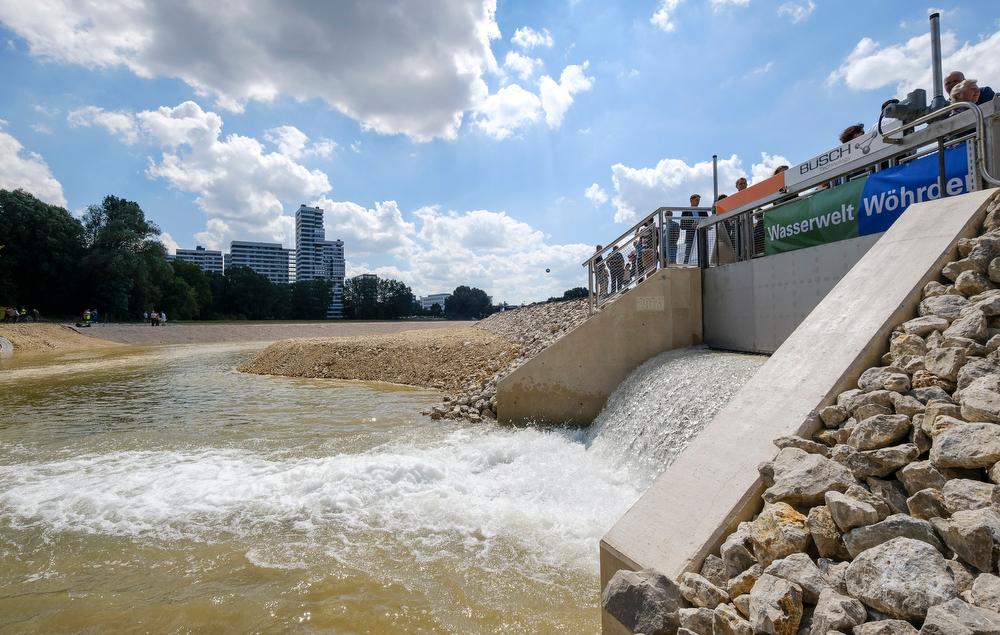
209, 260
268, 259
317, 258
428, 301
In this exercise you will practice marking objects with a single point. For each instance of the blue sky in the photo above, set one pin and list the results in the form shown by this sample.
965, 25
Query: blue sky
454, 142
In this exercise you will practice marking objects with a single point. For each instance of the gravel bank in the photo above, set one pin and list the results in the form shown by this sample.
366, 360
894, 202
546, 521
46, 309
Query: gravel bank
36, 338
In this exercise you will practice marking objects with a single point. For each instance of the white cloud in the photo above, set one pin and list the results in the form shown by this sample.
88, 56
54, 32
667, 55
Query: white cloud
596, 195
356, 146
523, 66
722, 4
27, 171
397, 69
295, 144
557, 98
120, 124
762, 69
639, 191
907, 65
511, 108
797, 11
42, 128
368, 232
663, 18
168, 242
528, 38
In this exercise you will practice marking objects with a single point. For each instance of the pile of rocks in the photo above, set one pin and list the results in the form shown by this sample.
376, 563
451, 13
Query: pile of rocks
532, 328
888, 519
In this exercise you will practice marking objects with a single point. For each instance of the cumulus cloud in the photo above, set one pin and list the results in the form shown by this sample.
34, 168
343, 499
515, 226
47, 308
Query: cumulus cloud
27, 171
368, 232
509, 109
528, 38
558, 97
639, 191
596, 195
120, 124
168, 242
663, 17
397, 69
523, 66
797, 11
907, 65
722, 4
295, 144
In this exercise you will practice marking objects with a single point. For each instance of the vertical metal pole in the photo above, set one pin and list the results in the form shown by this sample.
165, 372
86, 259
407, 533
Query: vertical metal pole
940, 99
715, 181
590, 283
662, 240
941, 170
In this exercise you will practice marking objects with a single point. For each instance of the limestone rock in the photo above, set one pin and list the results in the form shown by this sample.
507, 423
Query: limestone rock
643, 601
886, 627
859, 398
881, 462
970, 283
907, 405
836, 612
963, 494
835, 572
742, 604
934, 288
884, 378
954, 269
803, 444
871, 410
923, 326
976, 368
741, 584
775, 606
728, 621
891, 491
973, 535
927, 503
849, 512
905, 344
714, 570
700, 592
969, 445
993, 270
896, 526
986, 592
832, 416
959, 618
939, 425
803, 478
778, 531
948, 307
962, 574
929, 393
944, 362
901, 578
920, 475
980, 400
879, 431
736, 551
825, 534
799, 569
696, 620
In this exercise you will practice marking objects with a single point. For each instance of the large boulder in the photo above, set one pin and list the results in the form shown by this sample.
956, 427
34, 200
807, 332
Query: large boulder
737, 551
885, 627
728, 621
802, 478
778, 531
971, 283
974, 536
971, 325
700, 592
881, 462
825, 534
696, 620
879, 431
836, 612
986, 592
775, 606
800, 569
895, 526
980, 400
901, 578
924, 326
964, 493
956, 617
945, 362
714, 570
968, 445
849, 512
948, 307
920, 475
888, 378
643, 601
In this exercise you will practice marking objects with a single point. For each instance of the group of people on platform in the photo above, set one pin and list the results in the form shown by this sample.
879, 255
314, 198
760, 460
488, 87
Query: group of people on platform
12, 316
632, 261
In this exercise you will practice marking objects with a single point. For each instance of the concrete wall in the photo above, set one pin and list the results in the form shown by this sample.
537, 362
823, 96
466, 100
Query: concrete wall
753, 306
570, 381
714, 485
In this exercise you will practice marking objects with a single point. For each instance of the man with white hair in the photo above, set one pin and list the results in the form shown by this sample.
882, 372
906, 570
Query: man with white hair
968, 90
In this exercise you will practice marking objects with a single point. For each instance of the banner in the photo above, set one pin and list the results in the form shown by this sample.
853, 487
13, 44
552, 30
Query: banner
889, 192
825, 217
863, 206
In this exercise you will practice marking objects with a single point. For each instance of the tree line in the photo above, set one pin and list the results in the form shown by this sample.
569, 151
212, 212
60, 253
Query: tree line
111, 260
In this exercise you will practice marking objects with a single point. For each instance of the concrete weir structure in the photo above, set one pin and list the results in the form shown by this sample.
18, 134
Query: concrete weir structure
713, 485
570, 381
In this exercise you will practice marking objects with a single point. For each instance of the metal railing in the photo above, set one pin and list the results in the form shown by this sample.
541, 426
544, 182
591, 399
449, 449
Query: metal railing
665, 238
740, 232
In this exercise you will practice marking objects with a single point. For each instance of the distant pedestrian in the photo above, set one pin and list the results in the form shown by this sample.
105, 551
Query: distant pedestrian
145, 316
163, 317
35, 315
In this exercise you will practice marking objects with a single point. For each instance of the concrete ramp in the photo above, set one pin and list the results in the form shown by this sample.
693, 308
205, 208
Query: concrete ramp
570, 381
713, 485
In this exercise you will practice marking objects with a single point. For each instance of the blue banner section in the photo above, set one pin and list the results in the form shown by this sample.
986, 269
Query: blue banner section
889, 192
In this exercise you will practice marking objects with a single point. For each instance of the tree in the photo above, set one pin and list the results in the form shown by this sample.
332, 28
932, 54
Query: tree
395, 299
576, 293
309, 300
43, 248
436, 310
361, 297
467, 303
200, 283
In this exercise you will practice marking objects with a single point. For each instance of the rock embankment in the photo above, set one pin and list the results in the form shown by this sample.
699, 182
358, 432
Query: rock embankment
40, 338
887, 520
463, 362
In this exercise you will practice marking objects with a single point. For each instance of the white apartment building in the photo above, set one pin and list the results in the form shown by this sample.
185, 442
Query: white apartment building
427, 301
268, 259
317, 258
209, 260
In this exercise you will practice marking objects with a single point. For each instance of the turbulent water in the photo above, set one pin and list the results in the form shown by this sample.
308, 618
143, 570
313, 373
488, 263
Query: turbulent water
159, 490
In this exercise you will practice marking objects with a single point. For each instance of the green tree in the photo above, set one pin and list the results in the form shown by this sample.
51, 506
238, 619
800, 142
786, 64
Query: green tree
43, 248
576, 293
436, 310
361, 297
395, 299
467, 303
309, 300
200, 283
249, 295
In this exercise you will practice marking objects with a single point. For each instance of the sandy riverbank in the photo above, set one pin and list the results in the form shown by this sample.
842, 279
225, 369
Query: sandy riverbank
40, 338
445, 358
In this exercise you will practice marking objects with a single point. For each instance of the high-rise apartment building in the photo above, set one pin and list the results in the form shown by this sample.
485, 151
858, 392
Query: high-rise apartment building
209, 260
317, 258
268, 259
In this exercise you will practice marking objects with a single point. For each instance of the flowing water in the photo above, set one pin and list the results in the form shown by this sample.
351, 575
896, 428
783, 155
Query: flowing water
158, 490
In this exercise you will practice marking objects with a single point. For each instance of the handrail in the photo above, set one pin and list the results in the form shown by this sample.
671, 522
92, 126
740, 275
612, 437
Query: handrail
631, 230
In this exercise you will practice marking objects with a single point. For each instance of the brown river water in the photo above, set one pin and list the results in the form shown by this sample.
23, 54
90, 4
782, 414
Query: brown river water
157, 490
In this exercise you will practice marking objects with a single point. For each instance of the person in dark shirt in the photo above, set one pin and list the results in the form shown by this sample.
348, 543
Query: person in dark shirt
689, 225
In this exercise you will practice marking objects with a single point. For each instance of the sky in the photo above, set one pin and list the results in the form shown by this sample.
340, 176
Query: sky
491, 143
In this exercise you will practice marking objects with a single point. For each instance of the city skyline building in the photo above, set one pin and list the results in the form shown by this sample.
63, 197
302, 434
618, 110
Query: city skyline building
317, 258
427, 301
271, 260
210, 260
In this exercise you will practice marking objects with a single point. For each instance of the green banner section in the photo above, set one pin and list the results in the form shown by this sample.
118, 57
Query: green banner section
824, 217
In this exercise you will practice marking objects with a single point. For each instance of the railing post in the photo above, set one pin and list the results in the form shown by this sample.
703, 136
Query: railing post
590, 284
661, 238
